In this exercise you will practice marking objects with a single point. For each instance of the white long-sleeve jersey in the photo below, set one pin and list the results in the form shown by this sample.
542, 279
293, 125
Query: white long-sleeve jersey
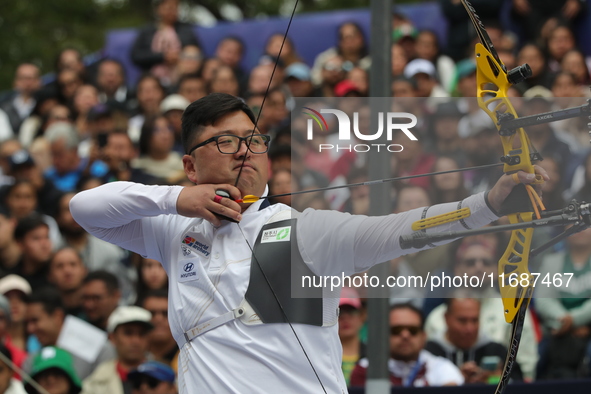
239, 358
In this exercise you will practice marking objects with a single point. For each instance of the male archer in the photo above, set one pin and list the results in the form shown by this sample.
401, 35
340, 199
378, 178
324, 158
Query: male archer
231, 327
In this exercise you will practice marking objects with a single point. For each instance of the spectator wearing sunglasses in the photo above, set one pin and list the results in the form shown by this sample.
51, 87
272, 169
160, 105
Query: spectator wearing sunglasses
477, 257
152, 377
410, 365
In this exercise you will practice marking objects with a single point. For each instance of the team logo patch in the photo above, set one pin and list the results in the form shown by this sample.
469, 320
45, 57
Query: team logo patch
279, 234
188, 244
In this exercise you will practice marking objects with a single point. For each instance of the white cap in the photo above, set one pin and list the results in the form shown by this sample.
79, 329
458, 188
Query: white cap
419, 66
129, 314
14, 282
172, 102
474, 123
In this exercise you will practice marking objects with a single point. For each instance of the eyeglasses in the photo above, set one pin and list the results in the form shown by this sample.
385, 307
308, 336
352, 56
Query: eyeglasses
472, 262
397, 330
230, 144
149, 380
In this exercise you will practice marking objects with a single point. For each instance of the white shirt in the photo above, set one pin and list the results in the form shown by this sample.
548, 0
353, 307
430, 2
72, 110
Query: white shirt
236, 358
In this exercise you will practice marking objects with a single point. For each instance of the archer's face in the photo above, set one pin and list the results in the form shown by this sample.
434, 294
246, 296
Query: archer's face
206, 165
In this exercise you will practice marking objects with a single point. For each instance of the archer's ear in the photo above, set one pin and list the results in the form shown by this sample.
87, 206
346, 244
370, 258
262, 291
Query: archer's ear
189, 167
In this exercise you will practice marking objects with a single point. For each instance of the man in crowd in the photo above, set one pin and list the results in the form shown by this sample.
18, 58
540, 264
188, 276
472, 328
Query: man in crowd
100, 297
152, 377
67, 272
479, 358
410, 364
128, 331
26, 82
163, 347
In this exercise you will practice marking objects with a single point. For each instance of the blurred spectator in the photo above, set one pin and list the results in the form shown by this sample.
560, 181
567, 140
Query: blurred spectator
574, 62
162, 345
110, 81
190, 62
289, 54
117, 154
351, 46
280, 183
157, 48
8, 383
404, 36
71, 59
230, 51
478, 257
192, 87
17, 355
67, 273
445, 122
447, 187
96, 253
224, 80
152, 377
150, 94
399, 60
68, 81
151, 277
460, 32
20, 104
332, 73
360, 79
410, 365
172, 108
6, 132
7, 149
32, 235
156, 155
208, 68
85, 97
403, 87
351, 319
480, 360
128, 329
561, 41
16, 289
425, 76
45, 100
68, 168
261, 75
53, 369
466, 80
534, 56
10, 253
100, 297
564, 310
411, 160
45, 319
427, 47
532, 15
298, 79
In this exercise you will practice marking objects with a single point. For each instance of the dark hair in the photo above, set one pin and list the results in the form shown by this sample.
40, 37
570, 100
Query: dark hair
48, 297
412, 308
363, 51
155, 293
279, 151
146, 134
111, 282
187, 77
207, 111
5, 352
236, 39
112, 60
28, 224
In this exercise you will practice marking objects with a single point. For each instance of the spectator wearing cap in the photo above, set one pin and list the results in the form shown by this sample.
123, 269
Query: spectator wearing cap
346, 88
22, 166
45, 319
172, 107
53, 369
298, 79
465, 85
428, 48
351, 319
332, 73
425, 75
8, 383
152, 377
128, 329
16, 289
18, 356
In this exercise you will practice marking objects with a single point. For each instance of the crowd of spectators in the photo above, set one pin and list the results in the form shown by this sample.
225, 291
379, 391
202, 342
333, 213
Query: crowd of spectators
89, 127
